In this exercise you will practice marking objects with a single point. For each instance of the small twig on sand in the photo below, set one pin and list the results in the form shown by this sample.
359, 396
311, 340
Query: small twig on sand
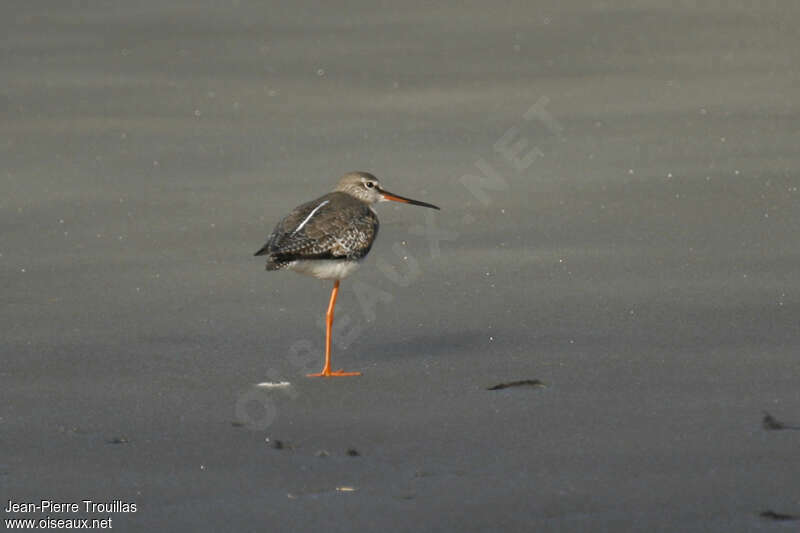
770, 423
520, 383
772, 515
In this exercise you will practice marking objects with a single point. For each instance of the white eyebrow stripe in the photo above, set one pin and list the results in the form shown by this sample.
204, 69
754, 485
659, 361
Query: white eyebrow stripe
311, 214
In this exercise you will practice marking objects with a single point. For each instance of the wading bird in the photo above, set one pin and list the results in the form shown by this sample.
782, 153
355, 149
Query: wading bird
328, 237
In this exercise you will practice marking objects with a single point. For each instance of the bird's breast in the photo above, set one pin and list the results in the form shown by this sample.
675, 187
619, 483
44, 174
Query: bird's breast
325, 268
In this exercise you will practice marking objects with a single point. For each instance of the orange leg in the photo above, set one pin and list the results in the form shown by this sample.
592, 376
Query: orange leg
326, 372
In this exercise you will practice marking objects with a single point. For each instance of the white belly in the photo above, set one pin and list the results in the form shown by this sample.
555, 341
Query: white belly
324, 268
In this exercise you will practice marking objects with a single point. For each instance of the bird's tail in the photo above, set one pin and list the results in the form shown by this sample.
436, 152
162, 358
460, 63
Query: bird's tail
275, 264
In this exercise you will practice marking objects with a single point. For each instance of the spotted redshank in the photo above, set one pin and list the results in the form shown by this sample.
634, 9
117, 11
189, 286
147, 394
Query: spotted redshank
328, 237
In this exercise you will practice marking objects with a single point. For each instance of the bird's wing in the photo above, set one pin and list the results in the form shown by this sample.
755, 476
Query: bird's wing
332, 227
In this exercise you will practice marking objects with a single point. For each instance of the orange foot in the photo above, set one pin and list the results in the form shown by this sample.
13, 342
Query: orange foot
328, 374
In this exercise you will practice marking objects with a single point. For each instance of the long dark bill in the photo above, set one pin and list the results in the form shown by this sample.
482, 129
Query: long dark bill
396, 198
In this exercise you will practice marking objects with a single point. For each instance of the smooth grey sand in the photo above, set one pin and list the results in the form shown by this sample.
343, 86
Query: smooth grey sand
642, 263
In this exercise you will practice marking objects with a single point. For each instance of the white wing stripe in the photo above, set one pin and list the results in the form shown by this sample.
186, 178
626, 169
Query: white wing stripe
311, 214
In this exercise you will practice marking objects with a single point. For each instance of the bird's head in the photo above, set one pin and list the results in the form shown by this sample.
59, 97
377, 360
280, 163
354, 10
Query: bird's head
367, 188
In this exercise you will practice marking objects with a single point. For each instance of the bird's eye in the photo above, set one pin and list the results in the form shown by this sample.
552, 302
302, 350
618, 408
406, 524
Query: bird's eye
369, 184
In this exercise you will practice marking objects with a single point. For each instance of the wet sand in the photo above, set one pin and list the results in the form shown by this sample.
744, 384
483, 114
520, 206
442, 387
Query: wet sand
641, 262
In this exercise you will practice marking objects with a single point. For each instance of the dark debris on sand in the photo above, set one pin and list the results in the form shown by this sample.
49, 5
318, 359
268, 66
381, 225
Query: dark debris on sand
770, 423
772, 515
520, 383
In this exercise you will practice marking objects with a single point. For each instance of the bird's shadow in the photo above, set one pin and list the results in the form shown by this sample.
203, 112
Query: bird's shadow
431, 345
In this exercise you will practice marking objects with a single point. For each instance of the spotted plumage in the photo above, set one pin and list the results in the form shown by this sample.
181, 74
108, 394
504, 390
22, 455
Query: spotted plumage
334, 227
